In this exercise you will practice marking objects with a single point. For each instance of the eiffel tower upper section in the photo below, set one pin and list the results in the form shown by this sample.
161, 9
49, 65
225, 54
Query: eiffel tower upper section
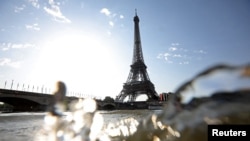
138, 81
138, 61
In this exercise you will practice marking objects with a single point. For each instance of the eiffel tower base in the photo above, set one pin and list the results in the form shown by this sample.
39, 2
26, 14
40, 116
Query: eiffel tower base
135, 89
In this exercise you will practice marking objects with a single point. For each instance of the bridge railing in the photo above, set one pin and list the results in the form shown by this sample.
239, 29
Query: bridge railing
42, 89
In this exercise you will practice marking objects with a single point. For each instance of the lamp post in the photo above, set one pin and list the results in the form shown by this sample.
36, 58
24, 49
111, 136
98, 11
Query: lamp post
5, 84
11, 84
17, 86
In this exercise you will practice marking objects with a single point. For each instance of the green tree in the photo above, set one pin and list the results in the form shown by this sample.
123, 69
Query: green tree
109, 99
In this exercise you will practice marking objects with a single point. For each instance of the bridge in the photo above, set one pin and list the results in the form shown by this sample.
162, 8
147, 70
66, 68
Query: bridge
34, 101
27, 101
103, 105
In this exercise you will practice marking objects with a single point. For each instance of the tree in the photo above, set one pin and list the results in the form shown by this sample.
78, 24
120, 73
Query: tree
109, 99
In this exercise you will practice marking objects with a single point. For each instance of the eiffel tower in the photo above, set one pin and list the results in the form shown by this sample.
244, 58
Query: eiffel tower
138, 81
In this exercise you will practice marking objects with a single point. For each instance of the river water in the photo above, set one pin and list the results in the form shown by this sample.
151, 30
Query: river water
20, 126
169, 124
26, 126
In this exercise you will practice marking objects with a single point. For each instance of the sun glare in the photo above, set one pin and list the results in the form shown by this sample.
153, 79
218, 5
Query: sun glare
84, 62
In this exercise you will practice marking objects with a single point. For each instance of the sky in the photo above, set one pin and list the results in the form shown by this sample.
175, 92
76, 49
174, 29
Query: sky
88, 44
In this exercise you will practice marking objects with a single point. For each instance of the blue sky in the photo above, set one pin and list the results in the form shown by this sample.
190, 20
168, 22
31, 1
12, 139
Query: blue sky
88, 44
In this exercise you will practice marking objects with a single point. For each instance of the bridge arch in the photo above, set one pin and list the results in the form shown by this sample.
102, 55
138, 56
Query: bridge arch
25, 101
23, 104
106, 106
109, 107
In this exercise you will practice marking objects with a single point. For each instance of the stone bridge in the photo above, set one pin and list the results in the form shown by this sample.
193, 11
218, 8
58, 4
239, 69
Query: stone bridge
25, 101
103, 105
33, 101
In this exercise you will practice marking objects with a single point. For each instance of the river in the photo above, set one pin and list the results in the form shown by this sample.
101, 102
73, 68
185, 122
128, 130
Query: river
20, 126
25, 126
169, 124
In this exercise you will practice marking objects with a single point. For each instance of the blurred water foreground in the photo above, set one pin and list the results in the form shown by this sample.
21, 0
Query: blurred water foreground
218, 95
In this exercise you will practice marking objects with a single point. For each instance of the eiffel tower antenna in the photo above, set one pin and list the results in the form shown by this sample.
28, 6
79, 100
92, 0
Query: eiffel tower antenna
138, 81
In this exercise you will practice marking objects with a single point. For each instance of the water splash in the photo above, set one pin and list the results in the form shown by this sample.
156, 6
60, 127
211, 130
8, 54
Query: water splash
188, 113
218, 95
225, 78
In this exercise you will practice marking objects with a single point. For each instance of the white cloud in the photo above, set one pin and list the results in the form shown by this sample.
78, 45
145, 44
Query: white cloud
17, 46
55, 11
5, 46
121, 17
167, 54
26, 45
105, 11
174, 58
19, 9
8, 46
180, 55
172, 48
166, 57
200, 51
111, 23
9, 62
33, 27
112, 17
175, 44
35, 3
159, 56
177, 55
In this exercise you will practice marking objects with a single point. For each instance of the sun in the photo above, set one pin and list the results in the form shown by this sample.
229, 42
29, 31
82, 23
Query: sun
85, 62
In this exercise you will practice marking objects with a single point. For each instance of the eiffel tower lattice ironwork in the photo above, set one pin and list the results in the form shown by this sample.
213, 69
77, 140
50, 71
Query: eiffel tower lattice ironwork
138, 81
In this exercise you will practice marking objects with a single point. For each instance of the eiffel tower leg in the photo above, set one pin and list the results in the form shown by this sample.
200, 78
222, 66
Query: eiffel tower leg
133, 97
120, 97
130, 98
149, 96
